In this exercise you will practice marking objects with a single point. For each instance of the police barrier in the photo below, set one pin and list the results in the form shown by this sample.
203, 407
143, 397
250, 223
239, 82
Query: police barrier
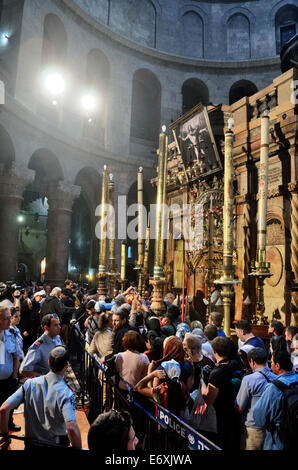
156, 427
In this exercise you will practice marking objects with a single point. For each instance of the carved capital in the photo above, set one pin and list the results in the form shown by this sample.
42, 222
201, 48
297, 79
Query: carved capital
14, 180
61, 195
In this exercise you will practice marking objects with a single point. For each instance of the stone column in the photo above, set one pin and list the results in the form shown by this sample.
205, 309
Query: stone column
13, 182
60, 199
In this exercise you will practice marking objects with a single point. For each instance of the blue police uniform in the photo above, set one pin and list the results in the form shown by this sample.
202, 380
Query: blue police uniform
7, 383
37, 357
48, 405
19, 340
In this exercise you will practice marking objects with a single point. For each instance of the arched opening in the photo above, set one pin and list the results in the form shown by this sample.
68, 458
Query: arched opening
97, 86
194, 91
286, 25
34, 211
238, 37
146, 106
83, 249
54, 47
240, 89
192, 26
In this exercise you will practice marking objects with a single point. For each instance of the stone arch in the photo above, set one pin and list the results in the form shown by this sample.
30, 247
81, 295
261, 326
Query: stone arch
146, 106
238, 37
240, 89
7, 155
55, 41
97, 83
192, 31
194, 91
286, 25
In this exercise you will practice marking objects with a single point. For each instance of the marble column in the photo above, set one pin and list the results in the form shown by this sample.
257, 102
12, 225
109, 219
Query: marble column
13, 182
60, 196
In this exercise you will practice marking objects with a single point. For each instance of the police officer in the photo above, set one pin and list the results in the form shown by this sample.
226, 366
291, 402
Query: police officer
9, 360
36, 361
49, 407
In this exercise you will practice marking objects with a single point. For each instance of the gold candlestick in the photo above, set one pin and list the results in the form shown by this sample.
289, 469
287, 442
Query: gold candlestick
123, 261
146, 261
227, 279
158, 280
210, 277
261, 269
102, 275
112, 265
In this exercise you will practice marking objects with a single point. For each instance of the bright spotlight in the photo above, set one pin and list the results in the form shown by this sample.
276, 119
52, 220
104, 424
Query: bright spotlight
88, 102
4, 38
20, 218
55, 84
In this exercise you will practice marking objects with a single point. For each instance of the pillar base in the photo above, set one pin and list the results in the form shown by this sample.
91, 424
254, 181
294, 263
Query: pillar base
157, 304
102, 276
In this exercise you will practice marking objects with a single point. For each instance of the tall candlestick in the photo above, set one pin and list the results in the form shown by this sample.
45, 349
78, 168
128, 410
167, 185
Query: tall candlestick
179, 268
102, 275
112, 266
103, 226
123, 261
227, 279
263, 186
158, 265
140, 218
146, 260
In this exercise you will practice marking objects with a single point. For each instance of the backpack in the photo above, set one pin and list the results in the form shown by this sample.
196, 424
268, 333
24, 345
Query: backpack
288, 430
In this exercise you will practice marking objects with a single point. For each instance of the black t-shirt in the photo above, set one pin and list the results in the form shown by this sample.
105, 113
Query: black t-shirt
220, 377
206, 364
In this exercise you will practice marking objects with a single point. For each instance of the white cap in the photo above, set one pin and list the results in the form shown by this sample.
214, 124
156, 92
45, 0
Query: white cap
41, 293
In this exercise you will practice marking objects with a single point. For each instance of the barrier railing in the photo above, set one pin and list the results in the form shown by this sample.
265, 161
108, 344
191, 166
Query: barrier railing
156, 427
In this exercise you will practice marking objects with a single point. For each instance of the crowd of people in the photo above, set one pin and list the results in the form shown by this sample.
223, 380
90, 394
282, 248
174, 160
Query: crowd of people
232, 392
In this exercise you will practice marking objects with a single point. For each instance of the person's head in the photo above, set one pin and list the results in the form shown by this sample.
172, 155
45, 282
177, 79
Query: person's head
15, 316
281, 362
275, 328
243, 329
154, 325
210, 332
59, 359
105, 320
170, 297
56, 292
174, 311
5, 318
192, 344
290, 332
257, 357
90, 307
166, 319
132, 341
39, 295
119, 319
173, 349
196, 324
50, 323
242, 354
112, 431
27, 293
216, 318
120, 299
278, 343
48, 289
139, 320
221, 348
68, 284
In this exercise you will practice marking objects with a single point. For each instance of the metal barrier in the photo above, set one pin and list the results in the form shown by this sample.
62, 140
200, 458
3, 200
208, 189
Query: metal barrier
156, 427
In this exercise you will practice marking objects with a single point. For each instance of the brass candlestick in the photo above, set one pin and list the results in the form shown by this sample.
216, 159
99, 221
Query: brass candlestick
112, 265
158, 280
210, 277
261, 269
227, 280
102, 274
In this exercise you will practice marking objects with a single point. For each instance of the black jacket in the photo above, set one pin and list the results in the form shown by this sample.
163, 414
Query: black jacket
53, 305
